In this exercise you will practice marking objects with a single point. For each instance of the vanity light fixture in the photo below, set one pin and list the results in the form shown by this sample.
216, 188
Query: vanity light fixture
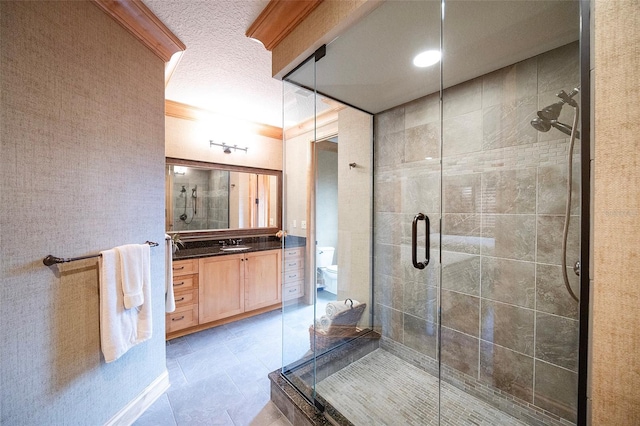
427, 58
227, 148
179, 170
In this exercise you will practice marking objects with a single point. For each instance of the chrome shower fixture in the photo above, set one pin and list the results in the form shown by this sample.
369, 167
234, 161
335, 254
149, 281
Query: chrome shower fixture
546, 119
548, 116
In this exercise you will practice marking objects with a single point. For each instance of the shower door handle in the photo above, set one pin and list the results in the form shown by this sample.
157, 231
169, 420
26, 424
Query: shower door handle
414, 241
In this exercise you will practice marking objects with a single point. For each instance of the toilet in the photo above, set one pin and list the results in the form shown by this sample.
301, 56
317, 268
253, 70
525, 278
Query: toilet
324, 260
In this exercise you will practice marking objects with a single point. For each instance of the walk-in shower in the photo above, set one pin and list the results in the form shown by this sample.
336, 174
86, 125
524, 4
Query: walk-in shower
455, 225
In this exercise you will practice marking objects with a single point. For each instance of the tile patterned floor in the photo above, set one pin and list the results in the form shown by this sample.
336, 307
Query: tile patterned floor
219, 376
409, 396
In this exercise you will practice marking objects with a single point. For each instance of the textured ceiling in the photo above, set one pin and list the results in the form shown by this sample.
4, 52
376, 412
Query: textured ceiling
222, 70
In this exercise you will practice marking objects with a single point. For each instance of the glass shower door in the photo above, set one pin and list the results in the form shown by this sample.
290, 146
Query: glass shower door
327, 215
509, 330
298, 292
460, 240
371, 67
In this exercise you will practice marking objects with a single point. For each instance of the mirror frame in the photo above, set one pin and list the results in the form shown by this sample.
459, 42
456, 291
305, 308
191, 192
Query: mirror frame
225, 233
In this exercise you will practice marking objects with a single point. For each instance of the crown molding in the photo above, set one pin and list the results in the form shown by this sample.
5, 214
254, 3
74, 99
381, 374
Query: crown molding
138, 19
278, 19
188, 112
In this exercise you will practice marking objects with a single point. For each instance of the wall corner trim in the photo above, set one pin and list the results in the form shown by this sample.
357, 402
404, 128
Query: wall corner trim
134, 409
188, 112
140, 21
278, 19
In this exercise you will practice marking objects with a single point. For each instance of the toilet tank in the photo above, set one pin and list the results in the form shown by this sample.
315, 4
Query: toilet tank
324, 256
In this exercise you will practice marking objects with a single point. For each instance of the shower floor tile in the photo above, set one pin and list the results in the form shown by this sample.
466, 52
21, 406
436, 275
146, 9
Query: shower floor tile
382, 389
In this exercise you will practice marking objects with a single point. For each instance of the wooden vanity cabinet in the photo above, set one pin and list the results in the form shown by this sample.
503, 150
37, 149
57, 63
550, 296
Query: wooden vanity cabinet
185, 290
263, 280
293, 273
221, 286
234, 284
214, 290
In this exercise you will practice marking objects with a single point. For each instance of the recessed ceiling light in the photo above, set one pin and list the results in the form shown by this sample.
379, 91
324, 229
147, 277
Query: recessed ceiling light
427, 58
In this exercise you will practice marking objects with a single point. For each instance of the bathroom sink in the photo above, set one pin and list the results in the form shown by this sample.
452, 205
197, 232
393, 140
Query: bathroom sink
235, 248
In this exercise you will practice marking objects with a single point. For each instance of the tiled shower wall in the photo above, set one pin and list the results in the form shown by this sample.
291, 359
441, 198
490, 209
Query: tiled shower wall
212, 203
218, 200
507, 319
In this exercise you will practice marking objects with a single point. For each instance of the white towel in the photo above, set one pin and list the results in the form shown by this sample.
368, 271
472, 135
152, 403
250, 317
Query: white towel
323, 323
134, 269
120, 328
334, 308
169, 298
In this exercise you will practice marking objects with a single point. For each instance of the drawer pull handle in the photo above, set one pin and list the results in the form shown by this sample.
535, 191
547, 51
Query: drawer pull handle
180, 300
292, 276
177, 269
292, 264
293, 290
177, 319
178, 284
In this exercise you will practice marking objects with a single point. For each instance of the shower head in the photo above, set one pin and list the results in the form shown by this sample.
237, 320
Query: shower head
541, 124
547, 117
551, 112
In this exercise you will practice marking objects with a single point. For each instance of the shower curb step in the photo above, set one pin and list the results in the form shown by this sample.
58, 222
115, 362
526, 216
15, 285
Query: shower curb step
295, 407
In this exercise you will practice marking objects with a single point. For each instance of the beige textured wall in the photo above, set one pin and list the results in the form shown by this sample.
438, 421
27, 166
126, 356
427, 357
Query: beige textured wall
189, 140
81, 166
355, 194
298, 163
616, 295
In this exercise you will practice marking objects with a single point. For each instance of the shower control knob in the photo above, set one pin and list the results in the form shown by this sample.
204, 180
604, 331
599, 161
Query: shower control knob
576, 268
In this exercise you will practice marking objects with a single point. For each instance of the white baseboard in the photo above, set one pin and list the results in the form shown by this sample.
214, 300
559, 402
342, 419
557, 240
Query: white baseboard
134, 409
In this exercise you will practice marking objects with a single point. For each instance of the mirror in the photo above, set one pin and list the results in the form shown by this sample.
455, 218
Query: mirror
213, 198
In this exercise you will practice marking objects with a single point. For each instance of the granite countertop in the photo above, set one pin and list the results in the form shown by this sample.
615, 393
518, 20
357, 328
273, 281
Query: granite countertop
195, 249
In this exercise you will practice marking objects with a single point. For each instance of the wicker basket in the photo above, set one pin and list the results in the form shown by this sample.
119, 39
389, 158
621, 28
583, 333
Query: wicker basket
343, 326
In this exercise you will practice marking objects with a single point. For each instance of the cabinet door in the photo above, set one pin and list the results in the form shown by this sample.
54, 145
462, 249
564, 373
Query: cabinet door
221, 287
262, 279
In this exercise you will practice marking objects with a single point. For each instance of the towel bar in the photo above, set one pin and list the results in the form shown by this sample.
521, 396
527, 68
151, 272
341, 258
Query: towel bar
52, 260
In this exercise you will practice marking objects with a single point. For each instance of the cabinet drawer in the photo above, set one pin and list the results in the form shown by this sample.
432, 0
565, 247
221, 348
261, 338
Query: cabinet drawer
185, 282
182, 318
293, 264
185, 267
292, 291
294, 275
293, 252
186, 298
